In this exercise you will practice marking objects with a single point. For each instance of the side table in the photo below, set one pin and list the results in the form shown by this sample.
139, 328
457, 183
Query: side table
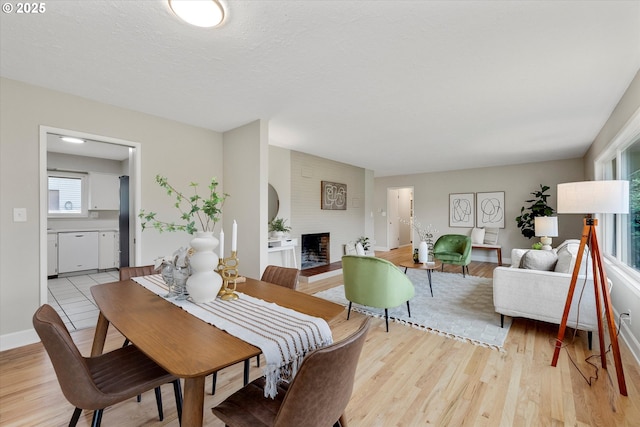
430, 266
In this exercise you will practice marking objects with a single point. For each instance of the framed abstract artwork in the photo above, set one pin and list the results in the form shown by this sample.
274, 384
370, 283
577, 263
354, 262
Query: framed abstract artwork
490, 209
461, 210
333, 196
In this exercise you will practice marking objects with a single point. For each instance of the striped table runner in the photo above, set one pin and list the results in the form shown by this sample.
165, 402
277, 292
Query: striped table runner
283, 335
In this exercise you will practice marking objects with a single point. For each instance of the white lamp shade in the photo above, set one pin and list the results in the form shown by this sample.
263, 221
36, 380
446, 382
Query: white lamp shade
593, 197
546, 226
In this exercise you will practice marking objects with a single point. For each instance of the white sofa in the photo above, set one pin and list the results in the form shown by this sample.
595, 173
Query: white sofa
542, 294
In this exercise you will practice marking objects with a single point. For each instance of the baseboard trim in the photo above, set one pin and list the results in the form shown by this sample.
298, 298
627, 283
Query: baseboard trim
18, 339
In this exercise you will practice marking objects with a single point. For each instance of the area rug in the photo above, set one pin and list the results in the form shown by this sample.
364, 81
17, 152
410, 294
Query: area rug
461, 308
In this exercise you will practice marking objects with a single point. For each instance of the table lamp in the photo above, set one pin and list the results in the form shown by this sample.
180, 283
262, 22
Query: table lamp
546, 227
594, 197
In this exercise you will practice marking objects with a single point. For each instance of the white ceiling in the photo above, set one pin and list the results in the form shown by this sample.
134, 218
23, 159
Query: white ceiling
398, 87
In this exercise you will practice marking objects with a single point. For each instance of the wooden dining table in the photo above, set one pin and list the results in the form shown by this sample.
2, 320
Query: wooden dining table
183, 344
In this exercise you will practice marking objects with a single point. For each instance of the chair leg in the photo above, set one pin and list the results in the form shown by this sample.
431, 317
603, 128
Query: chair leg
349, 311
386, 318
502, 320
177, 391
408, 309
75, 417
97, 418
214, 380
159, 403
590, 338
463, 271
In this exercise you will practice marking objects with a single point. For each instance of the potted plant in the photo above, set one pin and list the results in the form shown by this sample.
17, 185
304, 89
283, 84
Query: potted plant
278, 227
364, 241
538, 207
199, 215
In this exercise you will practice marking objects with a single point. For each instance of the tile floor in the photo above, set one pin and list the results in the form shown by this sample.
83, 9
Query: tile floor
71, 297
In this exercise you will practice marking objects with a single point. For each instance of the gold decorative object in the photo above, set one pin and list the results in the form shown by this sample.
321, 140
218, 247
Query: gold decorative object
228, 269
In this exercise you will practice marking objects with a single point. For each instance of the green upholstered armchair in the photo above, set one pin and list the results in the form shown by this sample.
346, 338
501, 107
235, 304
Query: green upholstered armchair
375, 282
453, 249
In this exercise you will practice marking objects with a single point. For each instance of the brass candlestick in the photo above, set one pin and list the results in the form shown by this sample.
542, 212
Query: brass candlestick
229, 273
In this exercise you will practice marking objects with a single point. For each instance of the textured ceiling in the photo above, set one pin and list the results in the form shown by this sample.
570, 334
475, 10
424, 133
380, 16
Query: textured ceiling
397, 87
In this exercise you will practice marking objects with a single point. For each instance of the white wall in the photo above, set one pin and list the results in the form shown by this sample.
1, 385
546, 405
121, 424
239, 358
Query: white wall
183, 153
246, 178
306, 216
431, 198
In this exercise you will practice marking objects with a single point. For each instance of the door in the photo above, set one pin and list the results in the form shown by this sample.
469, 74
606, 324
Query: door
393, 229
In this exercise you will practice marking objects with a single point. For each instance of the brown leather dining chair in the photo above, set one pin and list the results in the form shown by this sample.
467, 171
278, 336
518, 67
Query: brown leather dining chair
127, 273
316, 397
282, 276
94, 383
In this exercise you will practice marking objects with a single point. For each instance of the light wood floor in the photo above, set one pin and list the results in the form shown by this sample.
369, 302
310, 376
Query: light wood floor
406, 377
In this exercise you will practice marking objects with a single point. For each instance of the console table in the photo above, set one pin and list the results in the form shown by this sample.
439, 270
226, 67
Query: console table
284, 246
496, 248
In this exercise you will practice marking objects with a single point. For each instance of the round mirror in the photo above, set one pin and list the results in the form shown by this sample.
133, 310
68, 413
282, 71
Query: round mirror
274, 203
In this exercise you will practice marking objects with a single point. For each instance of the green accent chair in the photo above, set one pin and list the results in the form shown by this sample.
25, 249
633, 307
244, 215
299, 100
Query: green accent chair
453, 249
375, 282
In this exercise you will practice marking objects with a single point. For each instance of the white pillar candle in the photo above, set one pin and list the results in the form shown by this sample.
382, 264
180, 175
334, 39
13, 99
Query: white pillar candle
234, 236
222, 243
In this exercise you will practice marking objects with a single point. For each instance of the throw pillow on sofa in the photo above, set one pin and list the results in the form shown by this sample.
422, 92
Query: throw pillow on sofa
567, 253
477, 236
539, 260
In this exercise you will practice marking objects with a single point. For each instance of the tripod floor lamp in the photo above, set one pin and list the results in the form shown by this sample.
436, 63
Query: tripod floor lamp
594, 197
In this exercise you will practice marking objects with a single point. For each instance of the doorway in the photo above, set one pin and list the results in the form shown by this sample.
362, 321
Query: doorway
91, 155
400, 215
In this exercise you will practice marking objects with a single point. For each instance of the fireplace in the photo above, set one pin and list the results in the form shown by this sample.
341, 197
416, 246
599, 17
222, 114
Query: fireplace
314, 250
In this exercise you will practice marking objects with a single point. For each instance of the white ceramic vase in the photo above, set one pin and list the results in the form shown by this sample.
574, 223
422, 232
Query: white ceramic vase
204, 283
423, 252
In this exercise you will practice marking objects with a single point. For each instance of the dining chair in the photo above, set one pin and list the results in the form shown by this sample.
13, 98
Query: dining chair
282, 276
317, 396
94, 383
375, 282
127, 273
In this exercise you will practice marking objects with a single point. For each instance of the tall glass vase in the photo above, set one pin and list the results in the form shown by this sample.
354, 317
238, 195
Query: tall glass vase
204, 283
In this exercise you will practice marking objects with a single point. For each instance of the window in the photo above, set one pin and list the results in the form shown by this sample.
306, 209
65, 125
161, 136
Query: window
622, 232
67, 194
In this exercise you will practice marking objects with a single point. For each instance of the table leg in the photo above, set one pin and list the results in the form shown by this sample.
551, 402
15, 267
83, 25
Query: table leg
192, 408
100, 335
430, 288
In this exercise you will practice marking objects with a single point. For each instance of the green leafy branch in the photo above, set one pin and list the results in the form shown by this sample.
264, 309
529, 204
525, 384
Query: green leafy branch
194, 210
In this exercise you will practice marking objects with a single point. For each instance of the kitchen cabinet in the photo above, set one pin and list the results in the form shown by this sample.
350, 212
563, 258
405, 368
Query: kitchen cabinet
52, 254
77, 251
104, 191
108, 250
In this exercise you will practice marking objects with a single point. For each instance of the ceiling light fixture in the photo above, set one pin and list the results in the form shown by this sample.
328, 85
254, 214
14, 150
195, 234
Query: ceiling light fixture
72, 140
201, 13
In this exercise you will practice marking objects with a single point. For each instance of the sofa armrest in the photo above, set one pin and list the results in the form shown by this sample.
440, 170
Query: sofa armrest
541, 295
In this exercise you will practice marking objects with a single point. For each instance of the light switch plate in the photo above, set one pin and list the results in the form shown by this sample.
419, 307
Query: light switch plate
19, 214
